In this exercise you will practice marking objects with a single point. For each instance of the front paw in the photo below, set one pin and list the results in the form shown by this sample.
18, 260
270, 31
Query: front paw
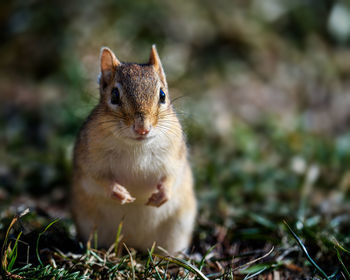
159, 197
120, 193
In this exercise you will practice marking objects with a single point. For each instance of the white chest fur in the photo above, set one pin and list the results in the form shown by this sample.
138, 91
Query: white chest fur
139, 168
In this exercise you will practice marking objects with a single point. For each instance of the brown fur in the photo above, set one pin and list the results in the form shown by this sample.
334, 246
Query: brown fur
148, 183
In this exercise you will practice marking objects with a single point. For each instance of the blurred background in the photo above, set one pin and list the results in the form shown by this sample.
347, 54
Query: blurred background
265, 106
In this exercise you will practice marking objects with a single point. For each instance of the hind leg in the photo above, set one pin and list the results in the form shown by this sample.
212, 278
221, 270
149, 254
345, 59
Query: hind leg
177, 233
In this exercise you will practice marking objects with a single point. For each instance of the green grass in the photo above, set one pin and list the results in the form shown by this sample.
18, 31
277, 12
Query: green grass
244, 194
278, 66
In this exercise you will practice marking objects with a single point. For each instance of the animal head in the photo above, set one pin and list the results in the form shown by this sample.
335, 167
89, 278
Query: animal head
135, 96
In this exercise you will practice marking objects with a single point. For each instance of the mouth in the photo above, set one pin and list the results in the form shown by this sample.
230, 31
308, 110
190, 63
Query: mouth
142, 138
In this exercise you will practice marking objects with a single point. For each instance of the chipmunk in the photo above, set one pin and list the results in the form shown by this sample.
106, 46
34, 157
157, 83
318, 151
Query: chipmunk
130, 161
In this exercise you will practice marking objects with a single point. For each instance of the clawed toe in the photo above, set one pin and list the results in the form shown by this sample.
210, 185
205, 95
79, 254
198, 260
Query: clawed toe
120, 193
158, 198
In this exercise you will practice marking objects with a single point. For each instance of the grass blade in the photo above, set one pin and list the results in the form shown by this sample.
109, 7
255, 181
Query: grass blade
337, 245
96, 256
249, 276
302, 246
40, 234
183, 264
118, 237
345, 270
13, 255
201, 264
3, 250
150, 253
131, 261
255, 260
149, 260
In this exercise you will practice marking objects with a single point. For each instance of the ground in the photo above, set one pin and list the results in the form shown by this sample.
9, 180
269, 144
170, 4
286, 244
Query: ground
262, 90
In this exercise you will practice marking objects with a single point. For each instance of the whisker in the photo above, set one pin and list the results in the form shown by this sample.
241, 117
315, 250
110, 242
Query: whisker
176, 114
177, 98
170, 130
107, 121
166, 135
93, 96
168, 120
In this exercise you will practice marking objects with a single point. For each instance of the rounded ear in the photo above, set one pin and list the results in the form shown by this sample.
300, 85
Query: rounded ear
109, 63
154, 60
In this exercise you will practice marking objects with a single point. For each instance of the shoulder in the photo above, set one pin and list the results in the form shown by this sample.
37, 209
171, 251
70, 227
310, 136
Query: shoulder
85, 131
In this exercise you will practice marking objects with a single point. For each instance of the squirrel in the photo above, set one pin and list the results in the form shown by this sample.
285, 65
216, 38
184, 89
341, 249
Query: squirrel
130, 161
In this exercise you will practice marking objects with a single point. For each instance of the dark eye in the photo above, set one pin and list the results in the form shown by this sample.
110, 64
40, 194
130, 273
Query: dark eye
161, 96
115, 97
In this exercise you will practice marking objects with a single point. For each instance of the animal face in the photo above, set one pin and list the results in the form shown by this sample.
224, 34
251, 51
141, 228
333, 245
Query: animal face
135, 97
